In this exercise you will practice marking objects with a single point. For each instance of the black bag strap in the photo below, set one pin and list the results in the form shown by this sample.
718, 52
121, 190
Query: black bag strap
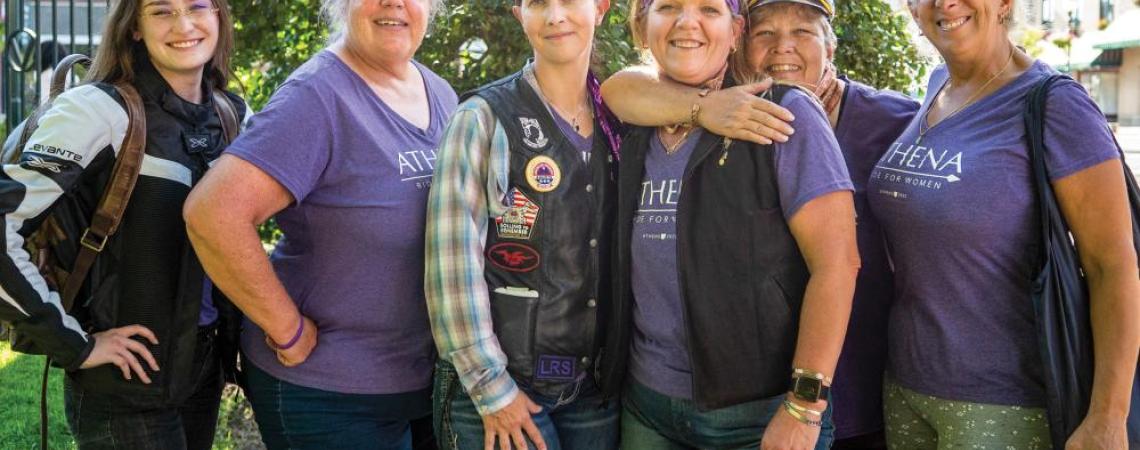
1065, 417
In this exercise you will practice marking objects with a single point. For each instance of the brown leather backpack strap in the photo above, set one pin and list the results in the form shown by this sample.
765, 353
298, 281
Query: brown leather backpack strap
226, 112
109, 213
62, 70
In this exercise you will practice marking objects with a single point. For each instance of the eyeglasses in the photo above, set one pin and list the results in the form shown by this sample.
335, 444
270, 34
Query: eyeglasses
196, 13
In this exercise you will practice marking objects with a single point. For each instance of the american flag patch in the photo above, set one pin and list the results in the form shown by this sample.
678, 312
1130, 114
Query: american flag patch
518, 222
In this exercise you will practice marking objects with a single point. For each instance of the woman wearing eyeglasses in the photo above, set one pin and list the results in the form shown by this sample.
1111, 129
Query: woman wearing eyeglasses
141, 353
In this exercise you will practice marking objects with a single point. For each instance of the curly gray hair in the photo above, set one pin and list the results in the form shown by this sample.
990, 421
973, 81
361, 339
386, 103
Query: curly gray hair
335, 13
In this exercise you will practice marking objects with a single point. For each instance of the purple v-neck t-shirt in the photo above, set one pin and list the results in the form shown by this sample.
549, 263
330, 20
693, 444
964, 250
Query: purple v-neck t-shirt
869, 121
807, 166
958, 209
352, 255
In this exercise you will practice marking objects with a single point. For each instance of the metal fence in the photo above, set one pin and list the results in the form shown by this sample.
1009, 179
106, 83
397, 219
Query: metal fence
38, 33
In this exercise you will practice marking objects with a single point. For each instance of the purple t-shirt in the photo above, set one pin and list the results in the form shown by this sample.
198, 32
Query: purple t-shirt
581, 143
808, 166
659, 356
352, 255
958, 209
869, 121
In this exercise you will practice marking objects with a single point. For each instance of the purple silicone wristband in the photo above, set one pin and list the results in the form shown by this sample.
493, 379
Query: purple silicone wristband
296, 337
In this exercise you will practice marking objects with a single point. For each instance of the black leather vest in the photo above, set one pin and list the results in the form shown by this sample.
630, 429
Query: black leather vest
741, 274
548, 256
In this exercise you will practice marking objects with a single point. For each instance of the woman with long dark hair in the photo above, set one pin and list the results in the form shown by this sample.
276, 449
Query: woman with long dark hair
143, 367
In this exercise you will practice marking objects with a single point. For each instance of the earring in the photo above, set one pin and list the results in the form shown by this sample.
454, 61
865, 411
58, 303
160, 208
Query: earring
1004, 18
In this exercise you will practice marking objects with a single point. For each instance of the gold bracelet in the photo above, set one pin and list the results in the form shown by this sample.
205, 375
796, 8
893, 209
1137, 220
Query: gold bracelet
803, 409
695, 110
800, 417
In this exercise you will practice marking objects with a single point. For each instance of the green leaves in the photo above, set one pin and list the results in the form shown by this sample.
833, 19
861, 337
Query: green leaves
274, 37
875, 47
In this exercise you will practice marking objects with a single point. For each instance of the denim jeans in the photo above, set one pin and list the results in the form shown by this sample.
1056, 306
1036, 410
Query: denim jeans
97, 425
578, 419
654, 421
297, 417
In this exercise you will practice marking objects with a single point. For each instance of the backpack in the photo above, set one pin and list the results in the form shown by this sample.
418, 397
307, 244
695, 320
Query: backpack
66, 277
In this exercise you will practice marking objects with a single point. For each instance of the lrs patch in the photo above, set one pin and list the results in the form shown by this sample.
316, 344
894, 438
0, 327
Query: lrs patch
554, 368
543, 174
513, 257
518, 221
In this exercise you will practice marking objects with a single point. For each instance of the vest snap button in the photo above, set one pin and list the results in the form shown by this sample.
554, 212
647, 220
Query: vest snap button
589, 188
591, 303
593, 242
585, 360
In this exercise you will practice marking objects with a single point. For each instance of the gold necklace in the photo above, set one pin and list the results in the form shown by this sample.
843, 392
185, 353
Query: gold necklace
924, 128
671, 149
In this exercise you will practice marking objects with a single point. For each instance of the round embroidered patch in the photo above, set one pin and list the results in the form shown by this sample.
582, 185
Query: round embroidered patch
543, 174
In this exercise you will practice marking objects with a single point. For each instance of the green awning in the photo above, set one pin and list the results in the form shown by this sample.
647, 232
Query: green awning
1124, 32
1081, 56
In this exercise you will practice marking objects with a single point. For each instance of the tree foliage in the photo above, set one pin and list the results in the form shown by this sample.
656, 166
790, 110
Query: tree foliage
875, 46
274, 37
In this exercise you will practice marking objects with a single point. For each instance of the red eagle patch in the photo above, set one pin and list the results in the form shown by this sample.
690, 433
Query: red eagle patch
513, 257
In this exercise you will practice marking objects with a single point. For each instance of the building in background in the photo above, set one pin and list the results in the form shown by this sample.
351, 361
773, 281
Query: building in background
1098, 43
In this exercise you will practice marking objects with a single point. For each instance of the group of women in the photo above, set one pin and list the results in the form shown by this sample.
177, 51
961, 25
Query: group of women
664, 261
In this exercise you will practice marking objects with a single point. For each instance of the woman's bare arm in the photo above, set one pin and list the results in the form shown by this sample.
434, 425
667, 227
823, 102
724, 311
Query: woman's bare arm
638, 96
222, 214
1095, 204
824, 229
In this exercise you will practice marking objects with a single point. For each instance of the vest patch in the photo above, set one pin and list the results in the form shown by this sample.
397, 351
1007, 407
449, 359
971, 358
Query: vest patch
518, 222
554, 368
532, 131
513, 257
543, 174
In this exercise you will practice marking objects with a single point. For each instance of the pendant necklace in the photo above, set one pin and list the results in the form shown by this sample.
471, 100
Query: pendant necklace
923, 128
573, 119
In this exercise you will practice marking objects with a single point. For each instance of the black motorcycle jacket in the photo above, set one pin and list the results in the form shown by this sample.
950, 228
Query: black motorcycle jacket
148, 273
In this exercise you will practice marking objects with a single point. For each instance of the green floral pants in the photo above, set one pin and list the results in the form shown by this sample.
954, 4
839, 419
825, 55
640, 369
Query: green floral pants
920, 422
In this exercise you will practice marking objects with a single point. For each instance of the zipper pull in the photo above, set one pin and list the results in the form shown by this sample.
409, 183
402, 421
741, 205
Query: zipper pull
724, 156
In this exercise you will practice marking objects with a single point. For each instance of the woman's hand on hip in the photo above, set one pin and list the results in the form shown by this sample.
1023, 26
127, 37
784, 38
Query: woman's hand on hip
739, 114
300, 351
507, 425
115, 346
1100, 432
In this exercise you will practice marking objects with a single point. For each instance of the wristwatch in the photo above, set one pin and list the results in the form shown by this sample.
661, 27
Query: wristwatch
809, 387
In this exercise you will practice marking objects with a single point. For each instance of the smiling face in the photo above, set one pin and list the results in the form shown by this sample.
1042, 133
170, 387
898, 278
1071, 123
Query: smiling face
962, 27
387, 30
691, 39
560, 31
180, 35
789, 42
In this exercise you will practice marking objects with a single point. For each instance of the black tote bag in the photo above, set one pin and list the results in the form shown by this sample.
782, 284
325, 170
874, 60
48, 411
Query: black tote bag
1060, 294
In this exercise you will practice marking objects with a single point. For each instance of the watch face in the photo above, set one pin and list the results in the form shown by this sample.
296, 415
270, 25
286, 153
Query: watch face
807, 389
